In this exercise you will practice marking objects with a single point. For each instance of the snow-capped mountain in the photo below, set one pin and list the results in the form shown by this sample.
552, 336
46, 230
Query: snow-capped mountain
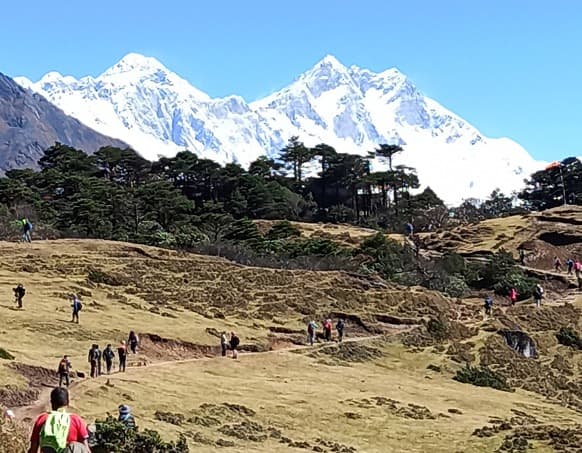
157, 112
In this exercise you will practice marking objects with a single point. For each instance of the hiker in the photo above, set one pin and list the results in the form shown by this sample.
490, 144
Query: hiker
488, 306
570, 265
327, 329
58, 430
64, 370
133, 341
108, 356
311, 328
77, 306
234, 342
125, 416
340, 329
557, 264
538, 294
99, 355
9, 414
513, 296
409, 229
93, 358
26, 230
223, 343
578, 272
522, 257
19, 293
122, 356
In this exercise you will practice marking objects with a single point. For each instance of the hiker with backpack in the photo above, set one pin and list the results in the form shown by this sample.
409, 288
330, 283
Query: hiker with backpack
327, 329
125, 416
234, 342
108, 356
513, 296
133, 341
77, 306
64, 370
340, 329
93, 359
59, 431
19, 293
26, 230
122, 356
557, 264
578, 272
311, 328
570, 265
538, 295
488, 306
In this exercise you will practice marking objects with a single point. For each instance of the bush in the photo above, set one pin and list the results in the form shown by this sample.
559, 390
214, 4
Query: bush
112, 436
569, 337
390, 257
482, 377
13, 436
438, 329
283, 230
4, 354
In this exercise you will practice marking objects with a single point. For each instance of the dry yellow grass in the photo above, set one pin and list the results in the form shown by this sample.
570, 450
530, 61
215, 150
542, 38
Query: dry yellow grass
301, 397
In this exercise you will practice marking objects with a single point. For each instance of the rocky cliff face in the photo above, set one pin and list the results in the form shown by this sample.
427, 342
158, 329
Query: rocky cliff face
29, 124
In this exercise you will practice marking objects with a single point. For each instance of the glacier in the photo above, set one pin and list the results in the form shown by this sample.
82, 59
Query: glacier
157, 112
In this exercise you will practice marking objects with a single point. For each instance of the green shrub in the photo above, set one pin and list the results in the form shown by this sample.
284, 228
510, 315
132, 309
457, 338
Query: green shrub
4, 354
283, 230
569, 337
437, 328
482, 377
112, 436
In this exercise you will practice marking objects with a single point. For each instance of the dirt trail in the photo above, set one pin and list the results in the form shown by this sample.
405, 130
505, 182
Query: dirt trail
30, 412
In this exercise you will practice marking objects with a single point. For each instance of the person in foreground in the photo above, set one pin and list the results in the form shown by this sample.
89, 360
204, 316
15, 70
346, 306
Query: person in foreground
59, 431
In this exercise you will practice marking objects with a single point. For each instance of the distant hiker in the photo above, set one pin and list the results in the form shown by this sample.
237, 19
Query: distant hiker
234, 342
327, 329
311, 328
9, 414
557, 264
133, 341
59, 431
122, 356
26, 230
570, 265
578, 272
108, 356
513, 296
223, 343
488, 306
522, 256
77, 306
19, 293
409, 228
64, 370
99, 355
340, 329
125, 416
93, 359
538, 294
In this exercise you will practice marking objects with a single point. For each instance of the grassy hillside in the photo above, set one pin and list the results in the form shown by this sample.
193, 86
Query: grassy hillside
389, 389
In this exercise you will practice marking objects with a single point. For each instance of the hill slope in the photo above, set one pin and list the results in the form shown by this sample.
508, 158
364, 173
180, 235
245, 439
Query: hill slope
372, 395
29, 124
142, 102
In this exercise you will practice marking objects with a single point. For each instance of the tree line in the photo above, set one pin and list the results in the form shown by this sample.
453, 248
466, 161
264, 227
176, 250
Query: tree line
117, 194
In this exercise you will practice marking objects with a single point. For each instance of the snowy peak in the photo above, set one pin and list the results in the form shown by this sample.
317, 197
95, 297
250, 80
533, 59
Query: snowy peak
353, 109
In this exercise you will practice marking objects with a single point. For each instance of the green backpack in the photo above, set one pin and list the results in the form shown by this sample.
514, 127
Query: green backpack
55, 431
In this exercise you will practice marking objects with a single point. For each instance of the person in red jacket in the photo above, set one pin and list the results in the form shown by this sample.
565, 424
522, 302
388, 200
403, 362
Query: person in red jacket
77, 433
513, 296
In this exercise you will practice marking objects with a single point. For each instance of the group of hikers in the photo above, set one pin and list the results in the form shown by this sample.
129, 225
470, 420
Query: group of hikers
538, 295
60, 431
327, 328
229, 344
97, 358
573, 267
76, 304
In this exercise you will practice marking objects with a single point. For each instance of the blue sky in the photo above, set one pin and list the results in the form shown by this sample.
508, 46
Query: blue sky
511, 67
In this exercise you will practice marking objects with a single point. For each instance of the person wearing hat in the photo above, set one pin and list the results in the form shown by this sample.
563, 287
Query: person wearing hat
125, 416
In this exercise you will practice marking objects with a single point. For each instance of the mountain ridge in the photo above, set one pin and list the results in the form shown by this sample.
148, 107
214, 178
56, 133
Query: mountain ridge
353, 109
